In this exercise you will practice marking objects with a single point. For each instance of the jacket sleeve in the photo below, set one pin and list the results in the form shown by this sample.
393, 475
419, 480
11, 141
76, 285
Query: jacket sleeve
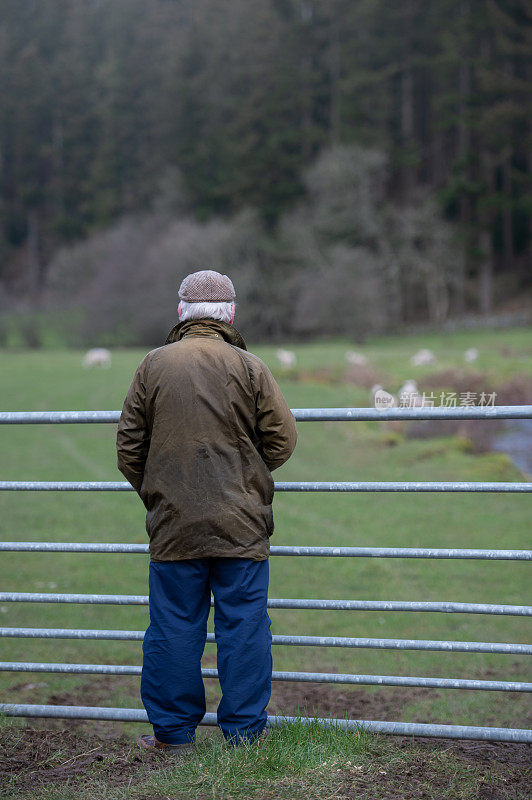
275, 422
133, 436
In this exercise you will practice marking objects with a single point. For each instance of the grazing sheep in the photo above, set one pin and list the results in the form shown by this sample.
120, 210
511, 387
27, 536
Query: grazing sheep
409, 395
471, 354
409, 387
422, 358
356, 359
286, 358
97, 357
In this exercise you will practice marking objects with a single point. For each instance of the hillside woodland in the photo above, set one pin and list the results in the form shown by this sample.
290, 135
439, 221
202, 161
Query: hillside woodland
355, 165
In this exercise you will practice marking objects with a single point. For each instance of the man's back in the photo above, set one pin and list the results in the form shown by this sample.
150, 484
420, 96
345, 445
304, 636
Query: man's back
203, 424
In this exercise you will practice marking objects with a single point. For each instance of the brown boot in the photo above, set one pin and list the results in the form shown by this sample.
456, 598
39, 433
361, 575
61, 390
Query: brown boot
147, 742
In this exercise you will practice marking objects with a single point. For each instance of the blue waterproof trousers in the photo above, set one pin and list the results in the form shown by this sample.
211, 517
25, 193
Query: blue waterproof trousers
172, 687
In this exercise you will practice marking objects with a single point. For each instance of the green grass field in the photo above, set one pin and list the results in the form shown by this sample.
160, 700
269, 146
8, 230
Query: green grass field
55, 380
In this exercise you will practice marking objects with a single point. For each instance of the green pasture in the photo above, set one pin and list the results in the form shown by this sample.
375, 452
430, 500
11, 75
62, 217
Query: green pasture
55, 380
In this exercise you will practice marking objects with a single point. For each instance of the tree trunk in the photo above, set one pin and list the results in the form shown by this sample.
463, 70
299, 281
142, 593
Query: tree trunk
486, 269
34, 265
528, 172
507, 221
485, 278
58, 165
335, 119
435, 142
306, 99
508, 258
407, 129
464, 150
437, 297
529, 176
438, 158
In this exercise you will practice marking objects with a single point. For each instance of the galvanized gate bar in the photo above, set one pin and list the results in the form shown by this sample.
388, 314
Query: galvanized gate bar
282, 639
283, 550
400, 552
301, 414
65, 486
372, 726
331, 414
405, 413
56, 417
401, 486
306, 677
403, 644
85, 547
287, 486
293, 603
415, 729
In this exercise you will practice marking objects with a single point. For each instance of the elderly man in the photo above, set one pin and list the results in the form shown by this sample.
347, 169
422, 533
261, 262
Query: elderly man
203, 425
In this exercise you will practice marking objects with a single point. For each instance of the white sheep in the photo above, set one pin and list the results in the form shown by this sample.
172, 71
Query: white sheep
356, 359
97, 357
471, 354
286, 358
409, 387
422, 358
409, 395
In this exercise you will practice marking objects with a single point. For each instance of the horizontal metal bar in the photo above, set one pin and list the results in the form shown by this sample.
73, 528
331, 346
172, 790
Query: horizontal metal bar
400, 552
292, 603
406, 605
371, 726
415, 729
56, 417
287, 486
283, 550
74, 669
301, 414
76, 547
306, 677
281, 639
403, 644
437, 412
92, 599
65, 486
71, 633
401, 486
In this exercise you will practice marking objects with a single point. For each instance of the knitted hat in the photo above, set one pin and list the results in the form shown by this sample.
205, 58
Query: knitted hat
207, 286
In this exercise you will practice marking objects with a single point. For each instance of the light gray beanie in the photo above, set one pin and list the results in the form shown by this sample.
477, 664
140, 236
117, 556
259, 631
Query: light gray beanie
207, 286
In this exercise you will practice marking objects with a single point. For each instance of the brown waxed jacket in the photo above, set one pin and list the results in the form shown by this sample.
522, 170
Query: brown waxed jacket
202, 426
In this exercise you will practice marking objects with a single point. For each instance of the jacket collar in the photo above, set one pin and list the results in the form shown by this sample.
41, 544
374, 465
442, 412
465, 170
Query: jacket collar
213, 328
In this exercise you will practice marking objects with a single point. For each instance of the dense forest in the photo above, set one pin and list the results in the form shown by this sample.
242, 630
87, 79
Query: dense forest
362, 156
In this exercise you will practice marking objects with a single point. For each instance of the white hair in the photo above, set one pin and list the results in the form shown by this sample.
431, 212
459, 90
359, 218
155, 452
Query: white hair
221, 311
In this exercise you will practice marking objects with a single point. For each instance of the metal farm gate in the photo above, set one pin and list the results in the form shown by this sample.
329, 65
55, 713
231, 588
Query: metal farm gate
302, 415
